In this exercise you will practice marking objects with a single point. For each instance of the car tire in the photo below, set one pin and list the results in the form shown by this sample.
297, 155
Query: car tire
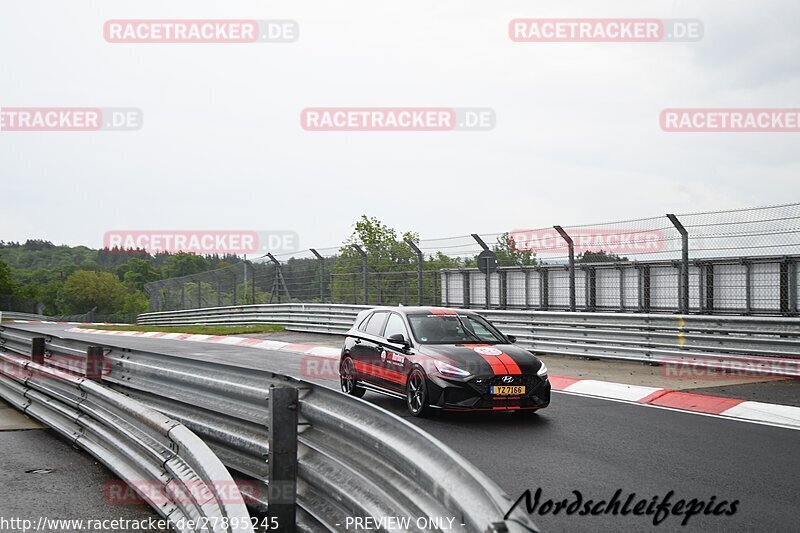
347, 378
417, 393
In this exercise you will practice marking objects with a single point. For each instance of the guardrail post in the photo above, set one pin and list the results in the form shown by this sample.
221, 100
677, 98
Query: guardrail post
321, 275
37, 350
684, 283
364, 271
417, 251
94, 363
571, 247
282, 466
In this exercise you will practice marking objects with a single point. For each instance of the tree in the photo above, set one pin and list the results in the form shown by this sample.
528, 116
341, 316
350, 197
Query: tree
7, 285
509, 255
137, 273
184, 264
386, 252
85, 290
599, 257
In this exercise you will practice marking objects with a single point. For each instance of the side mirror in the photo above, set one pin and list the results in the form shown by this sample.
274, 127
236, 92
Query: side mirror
398, 338
511, 338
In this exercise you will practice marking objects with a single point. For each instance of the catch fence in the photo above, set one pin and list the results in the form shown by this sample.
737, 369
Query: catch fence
741, 261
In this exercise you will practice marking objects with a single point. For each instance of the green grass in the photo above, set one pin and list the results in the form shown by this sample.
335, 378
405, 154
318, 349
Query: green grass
199, 330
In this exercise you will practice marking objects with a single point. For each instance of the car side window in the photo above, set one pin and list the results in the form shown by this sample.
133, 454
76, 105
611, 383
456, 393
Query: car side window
375, 326
363, 325
394, 326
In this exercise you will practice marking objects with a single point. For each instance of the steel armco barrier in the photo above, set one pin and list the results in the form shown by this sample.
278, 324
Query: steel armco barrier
768, 345
354, 458
161, 460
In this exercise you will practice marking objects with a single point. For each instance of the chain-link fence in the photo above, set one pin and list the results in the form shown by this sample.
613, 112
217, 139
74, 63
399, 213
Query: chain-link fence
737, 261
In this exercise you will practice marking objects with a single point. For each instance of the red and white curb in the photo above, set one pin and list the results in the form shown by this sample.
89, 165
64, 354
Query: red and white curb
250, 342
764, 413
748, 411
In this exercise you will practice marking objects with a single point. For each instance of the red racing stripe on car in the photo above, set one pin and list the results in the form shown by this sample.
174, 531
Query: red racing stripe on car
380, 372
511, 365
497, 365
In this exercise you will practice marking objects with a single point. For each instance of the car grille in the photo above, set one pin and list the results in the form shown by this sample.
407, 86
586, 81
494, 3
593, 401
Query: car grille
531, 382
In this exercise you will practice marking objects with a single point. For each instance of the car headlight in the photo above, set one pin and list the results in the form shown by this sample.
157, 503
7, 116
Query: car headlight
449, 370
542, 372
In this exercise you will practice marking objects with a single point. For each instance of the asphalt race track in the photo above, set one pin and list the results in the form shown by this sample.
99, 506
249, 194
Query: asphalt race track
589, 445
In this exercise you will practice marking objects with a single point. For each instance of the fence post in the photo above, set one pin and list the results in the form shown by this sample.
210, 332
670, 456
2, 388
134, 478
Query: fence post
488, 273
37, 350
199, 294
571, 247
416, 249
684, 284
233, 295
364, 271
792, 287
282, 457
321, 275
278, 280
544, 288
748, 288
466, 288
94, 363
253, 283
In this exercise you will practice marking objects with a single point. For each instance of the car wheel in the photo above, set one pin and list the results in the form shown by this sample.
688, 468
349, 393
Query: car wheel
417, 393
347, 377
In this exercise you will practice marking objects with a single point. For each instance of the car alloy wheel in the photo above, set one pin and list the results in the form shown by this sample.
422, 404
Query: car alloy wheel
417, 393
347, 375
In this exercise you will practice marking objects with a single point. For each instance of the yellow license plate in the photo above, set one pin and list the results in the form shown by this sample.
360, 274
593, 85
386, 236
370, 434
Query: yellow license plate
508, 390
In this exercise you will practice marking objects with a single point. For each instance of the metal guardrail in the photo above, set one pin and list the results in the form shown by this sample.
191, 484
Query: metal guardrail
313, 318
162, 461
767, 345
354, 459
13, 315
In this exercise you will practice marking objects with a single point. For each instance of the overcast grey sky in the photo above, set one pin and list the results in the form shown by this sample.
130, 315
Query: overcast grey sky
577, 137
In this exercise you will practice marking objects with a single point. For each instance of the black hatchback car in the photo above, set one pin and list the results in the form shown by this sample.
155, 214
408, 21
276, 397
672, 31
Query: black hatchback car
438, 358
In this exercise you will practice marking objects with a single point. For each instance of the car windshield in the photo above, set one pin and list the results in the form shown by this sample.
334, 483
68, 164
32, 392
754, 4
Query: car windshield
453, 329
